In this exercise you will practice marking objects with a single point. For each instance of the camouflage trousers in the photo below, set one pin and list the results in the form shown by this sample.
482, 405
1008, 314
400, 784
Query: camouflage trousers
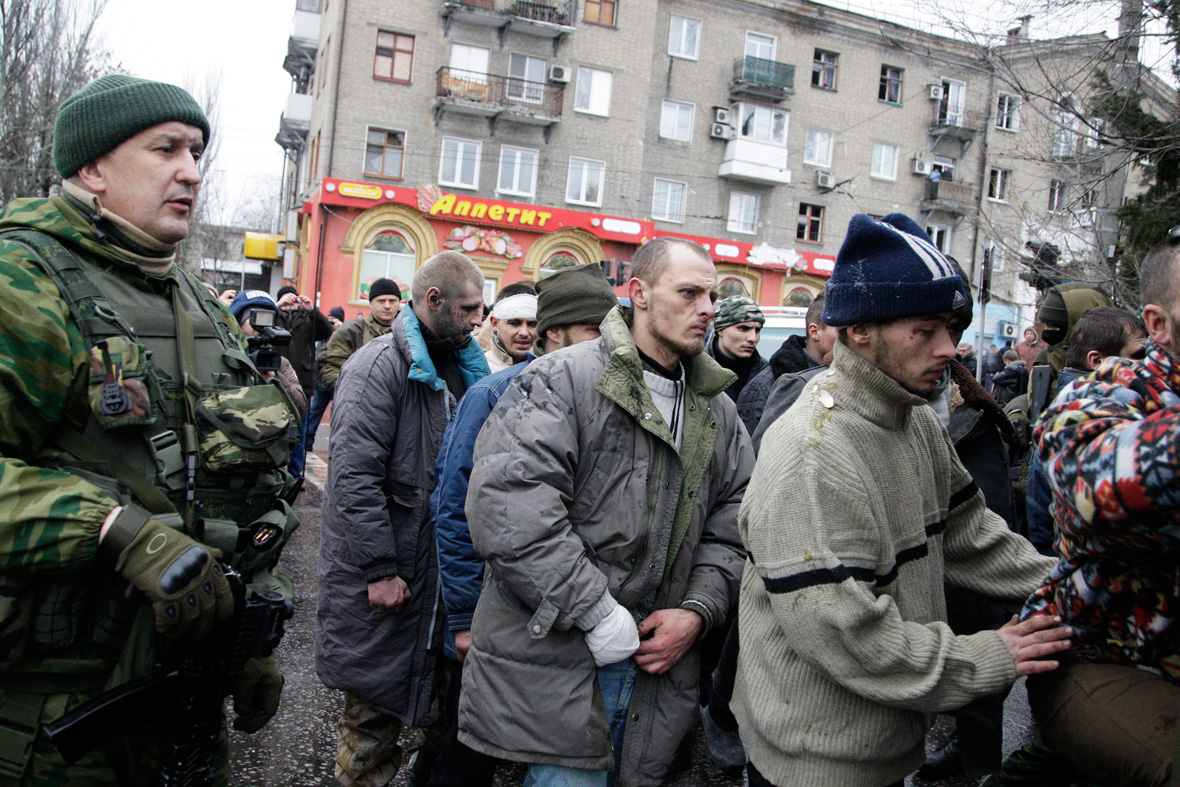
130, 760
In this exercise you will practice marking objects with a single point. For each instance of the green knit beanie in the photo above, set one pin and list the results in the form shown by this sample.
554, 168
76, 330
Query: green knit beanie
112, 109
574, 296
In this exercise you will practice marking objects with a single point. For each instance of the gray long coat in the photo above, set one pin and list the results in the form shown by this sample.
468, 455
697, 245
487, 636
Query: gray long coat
388, 417
578, 488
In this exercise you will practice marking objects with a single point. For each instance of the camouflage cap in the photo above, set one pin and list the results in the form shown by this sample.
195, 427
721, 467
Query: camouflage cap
737, 309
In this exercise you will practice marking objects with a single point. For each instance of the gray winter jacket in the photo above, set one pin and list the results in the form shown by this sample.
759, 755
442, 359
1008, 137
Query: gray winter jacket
388, 416
577, 490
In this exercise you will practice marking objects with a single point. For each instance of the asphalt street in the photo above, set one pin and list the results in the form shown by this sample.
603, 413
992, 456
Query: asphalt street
297, 748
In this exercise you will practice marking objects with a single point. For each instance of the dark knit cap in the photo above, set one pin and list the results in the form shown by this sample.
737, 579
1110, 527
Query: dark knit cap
113, 109
337, 312
286, 288
735, 310
574, 296
251, 299
1053, 311
384, 287
888, 270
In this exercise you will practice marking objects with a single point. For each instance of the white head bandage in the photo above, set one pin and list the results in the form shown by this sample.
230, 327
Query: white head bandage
516, 307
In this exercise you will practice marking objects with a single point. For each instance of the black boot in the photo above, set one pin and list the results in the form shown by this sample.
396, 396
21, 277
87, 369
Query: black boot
943, 763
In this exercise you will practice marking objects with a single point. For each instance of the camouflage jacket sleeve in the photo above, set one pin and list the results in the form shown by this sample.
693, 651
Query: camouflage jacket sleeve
49, 519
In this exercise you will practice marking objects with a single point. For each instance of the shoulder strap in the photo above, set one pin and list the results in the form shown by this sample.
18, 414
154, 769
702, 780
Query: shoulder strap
149, 496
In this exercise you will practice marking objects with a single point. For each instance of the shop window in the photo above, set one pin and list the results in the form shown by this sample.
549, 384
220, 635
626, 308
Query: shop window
810, 226
731, 286
387, 256
601, 11
558, 262
823, 69
800, 297
384, 153
395, 57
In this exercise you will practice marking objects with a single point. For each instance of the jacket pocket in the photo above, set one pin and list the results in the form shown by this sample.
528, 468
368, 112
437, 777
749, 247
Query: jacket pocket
245, 429
403, 502
120, 389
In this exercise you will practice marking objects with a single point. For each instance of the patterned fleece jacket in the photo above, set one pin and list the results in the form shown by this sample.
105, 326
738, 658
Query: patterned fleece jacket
1109, 445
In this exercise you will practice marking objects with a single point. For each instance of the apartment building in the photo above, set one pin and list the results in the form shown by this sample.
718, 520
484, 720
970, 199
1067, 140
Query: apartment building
534, 134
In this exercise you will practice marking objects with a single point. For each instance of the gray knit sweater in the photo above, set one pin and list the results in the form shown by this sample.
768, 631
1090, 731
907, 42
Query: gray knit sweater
857, 509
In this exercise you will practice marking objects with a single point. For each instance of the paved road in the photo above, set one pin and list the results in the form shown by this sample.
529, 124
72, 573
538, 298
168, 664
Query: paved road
298, 746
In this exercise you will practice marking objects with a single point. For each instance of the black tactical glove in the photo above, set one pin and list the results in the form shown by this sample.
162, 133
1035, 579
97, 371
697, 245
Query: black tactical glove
257, 696
181, 577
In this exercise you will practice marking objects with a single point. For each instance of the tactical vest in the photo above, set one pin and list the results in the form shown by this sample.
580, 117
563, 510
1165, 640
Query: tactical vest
180, 423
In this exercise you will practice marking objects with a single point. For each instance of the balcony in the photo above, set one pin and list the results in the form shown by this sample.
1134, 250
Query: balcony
543, 18
761, 78
497, 97
295, 122
953, 197
755, 162
302, 45
962, 126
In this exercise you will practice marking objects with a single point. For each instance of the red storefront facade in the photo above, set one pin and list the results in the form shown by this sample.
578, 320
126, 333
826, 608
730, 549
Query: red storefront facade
353, 232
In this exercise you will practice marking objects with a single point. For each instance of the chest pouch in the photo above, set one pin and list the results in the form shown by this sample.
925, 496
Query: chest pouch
119, 386
245, 429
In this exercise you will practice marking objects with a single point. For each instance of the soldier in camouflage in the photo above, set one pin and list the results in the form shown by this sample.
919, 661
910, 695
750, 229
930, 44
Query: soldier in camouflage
140, 451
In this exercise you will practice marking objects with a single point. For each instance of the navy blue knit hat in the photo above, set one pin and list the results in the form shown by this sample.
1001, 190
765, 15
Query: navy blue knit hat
888, 270
251, 299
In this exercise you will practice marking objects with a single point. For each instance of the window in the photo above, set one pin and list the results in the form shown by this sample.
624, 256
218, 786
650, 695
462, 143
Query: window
667, 200
460, 163
1086, 214
940, 236
600, 11
676, 120
1065, 135
1007, 112
954, 101
811, 223
762, 46
387, 256
890, 90
885, 161
684, 37
321, 64
584, 185
993, 255
763, 124
518, 171
593, 96
823, 70
743, 213
384, 152
1057, 194
997, 184
395, 57
818, 149
472, 61
526, 78
945, 167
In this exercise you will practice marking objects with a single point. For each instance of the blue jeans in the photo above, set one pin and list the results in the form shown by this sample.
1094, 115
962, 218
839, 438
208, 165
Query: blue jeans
616, 681
309, 425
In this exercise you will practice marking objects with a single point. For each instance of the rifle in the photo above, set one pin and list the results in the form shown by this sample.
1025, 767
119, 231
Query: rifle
185, 695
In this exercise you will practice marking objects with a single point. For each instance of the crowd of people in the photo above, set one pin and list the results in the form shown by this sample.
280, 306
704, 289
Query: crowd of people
563, 532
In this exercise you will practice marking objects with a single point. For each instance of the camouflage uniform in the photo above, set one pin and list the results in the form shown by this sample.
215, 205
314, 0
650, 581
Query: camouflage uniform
68, 628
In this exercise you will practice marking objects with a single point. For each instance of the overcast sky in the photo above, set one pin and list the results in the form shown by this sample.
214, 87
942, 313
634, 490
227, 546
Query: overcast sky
246, 40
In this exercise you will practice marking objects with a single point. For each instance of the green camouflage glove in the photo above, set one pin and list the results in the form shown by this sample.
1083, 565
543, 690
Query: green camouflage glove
179, 576
257, 696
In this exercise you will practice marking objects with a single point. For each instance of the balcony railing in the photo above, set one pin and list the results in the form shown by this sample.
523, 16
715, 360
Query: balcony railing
757, 76
553, 13
952, 196
490, 94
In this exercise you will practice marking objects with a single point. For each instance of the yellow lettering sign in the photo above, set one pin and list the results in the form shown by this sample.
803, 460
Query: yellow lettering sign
544, 217
360, 190
496, 212
463, 208
511, 213
528, 216
479, 210
443, 204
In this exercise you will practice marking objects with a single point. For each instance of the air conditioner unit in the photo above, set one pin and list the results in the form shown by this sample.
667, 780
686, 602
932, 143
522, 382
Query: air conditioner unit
559, 74
721, 115
934, 92
825, 180
721, 131
1008, 330
922, 166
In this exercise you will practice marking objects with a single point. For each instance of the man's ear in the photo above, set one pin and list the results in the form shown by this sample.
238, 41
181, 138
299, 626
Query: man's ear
1158, 324
859, 335
90, 177
1094, 359
637, 291
434, 298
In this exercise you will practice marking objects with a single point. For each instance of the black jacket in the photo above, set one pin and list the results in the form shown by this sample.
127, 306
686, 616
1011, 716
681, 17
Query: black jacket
790, 358
307, 327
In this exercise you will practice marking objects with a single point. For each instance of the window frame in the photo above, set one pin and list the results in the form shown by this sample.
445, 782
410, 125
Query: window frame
442, 158
601, 181
821, 66
1065, 134
692, 108
806, 221
999, 184
365, 162
741, 112
393, 57
731, 223
524, 84
1011, 115
873, 161
945, 115
946, 231
588, 110
809, 149
773, 44
614, 6
699, 27
888, 81
532, 192
683, 200
1058, 192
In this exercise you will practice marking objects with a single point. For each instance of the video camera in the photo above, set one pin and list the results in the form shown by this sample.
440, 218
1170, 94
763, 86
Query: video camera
267, 337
